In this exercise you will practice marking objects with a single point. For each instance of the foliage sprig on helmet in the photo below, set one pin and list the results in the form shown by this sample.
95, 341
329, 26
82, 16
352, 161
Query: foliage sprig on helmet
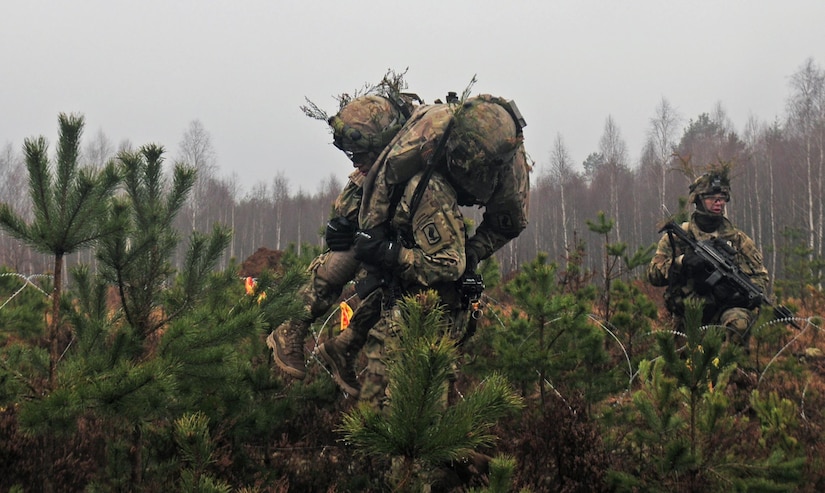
715, 181
368, 119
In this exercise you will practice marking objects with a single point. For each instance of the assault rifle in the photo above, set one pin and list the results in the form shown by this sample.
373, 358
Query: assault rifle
722, 270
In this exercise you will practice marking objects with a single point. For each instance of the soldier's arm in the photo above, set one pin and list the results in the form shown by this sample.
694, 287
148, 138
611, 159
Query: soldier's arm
751, 263
659, 267
438, 232
348, 201
505, 215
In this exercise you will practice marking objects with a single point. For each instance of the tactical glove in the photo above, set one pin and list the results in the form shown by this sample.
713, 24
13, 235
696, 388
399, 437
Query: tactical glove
692, 264
374, 248
727, 295
340, 233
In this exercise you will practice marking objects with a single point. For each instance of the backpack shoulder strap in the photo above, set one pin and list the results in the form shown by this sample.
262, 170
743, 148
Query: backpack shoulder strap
418, 194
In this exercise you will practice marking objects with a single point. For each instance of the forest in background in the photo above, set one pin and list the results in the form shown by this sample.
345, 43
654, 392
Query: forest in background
778, 187
146, 370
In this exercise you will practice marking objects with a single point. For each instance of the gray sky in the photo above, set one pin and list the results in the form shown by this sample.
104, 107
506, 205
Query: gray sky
143, 70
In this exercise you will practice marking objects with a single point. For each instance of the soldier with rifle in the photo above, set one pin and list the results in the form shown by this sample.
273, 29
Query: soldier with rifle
708, 259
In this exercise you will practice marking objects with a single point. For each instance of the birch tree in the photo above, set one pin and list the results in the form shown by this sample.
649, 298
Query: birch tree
280, 198
663, 127
561, 169
98, 151
806, 120
196, 151
614, 150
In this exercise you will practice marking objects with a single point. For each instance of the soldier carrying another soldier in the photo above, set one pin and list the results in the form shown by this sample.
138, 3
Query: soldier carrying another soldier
361, 129
412, 234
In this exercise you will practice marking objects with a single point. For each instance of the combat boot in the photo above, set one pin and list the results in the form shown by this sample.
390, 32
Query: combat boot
287, 344
339, 354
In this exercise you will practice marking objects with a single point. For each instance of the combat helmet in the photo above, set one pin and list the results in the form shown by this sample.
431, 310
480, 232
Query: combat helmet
366, 124
485, 136
715, 182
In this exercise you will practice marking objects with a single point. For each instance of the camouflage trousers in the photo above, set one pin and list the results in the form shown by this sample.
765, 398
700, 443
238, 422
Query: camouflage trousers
383, 340
329, 273
737, 322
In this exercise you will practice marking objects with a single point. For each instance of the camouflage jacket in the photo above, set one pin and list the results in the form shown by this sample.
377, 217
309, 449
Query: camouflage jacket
663, 271
348, 202
433, 237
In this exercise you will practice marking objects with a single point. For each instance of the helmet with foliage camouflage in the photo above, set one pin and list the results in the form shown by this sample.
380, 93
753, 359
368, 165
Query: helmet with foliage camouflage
366, 124
715, 182
485, 136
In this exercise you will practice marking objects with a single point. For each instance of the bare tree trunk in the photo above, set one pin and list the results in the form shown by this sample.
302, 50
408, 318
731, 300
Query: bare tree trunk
663, 128
565, 240
136, 456
772, 209
821, 225
54, 323
810, 190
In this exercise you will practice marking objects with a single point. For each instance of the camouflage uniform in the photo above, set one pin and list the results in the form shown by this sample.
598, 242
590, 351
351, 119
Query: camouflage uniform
665, 269
483, 163
361, 129
432, 257
331, 270
505, 214
329, 273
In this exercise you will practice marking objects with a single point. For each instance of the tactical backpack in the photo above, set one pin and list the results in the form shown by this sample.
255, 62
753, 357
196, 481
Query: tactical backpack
467, 142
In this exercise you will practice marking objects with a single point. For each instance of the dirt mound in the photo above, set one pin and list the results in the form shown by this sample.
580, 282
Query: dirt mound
262, 259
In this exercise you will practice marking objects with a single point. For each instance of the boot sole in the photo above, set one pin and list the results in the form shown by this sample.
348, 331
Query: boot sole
329, 361
293, 372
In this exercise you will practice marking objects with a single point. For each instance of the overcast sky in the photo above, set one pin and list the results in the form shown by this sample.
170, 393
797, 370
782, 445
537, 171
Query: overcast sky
143, 70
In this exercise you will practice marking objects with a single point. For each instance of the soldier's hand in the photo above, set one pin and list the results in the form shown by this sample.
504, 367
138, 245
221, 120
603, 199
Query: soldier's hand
727, 295
692, 263
340, 233
471, 261
373, 247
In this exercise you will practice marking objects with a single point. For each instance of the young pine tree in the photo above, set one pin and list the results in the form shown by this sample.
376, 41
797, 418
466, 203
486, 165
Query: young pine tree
682, 433
69, 203
549, 339
418, 427
173, 342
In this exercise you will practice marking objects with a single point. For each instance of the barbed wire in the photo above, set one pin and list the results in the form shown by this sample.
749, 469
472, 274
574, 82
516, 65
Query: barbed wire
808, 324
599, 321
27, 281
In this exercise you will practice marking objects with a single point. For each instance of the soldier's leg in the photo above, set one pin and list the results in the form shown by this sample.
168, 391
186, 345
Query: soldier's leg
381, 342
287, 344
341, 353
329, 273
738, 322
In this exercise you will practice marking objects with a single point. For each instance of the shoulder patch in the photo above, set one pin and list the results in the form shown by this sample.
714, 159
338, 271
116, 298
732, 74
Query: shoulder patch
431, 233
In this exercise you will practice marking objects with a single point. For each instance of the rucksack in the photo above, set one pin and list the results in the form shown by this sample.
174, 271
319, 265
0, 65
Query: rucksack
479, 136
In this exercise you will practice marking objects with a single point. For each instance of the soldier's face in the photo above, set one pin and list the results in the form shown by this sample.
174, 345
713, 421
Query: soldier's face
715, 204
363, 161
